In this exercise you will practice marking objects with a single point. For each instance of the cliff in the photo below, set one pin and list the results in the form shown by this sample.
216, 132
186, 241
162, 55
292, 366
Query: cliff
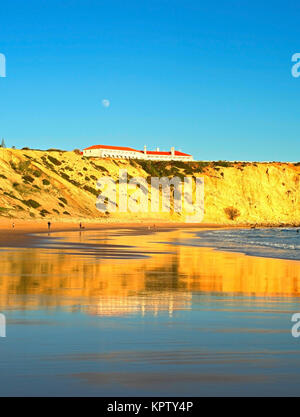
60, 185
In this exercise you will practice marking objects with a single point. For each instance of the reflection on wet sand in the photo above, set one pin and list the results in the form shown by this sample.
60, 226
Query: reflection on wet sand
117, 273
116, 313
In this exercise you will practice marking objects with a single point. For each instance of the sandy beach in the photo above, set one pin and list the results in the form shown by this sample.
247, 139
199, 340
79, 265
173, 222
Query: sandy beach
20, 233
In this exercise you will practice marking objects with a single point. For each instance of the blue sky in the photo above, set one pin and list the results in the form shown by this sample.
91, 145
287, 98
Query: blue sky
211, 78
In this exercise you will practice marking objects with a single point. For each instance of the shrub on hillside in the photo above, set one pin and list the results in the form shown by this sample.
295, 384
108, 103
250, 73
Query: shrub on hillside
47, 164
231, 212
55, 150
23, 167
91, 190
43, 212
28, 178
150, 168
31, 203
224, 164
98, 167
65, 176
11, 195
77, 184
63, 200
54, 160
13, 165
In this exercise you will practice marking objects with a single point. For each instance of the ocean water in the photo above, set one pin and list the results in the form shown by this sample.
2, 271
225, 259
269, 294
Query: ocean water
271, 242
138, 312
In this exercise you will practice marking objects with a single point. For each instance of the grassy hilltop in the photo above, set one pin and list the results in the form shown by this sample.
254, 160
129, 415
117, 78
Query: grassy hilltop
61, 185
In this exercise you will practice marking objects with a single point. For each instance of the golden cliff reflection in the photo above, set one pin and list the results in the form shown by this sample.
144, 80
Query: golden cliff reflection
144, 274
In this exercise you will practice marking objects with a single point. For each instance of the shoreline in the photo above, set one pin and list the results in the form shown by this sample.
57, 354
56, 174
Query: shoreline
22, 234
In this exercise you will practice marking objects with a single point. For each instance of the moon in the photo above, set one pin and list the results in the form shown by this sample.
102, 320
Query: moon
105, 102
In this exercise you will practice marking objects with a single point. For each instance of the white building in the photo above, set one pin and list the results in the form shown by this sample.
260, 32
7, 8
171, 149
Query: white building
120, 152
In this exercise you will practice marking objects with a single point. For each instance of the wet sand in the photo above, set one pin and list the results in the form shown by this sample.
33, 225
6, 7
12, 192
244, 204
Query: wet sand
23, 232
123, 311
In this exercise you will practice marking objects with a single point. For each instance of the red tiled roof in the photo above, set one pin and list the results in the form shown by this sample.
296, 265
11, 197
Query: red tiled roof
119, 148
122, 148
182, 153
177, 153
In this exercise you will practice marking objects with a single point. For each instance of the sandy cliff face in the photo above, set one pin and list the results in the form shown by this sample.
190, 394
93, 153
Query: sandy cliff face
62, 185
262, 193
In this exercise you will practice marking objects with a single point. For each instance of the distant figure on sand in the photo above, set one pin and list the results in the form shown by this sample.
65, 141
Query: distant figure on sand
80, 226
13, 225
49, 225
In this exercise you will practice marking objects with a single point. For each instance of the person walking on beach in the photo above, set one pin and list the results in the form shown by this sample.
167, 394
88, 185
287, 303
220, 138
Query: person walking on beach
49, 225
